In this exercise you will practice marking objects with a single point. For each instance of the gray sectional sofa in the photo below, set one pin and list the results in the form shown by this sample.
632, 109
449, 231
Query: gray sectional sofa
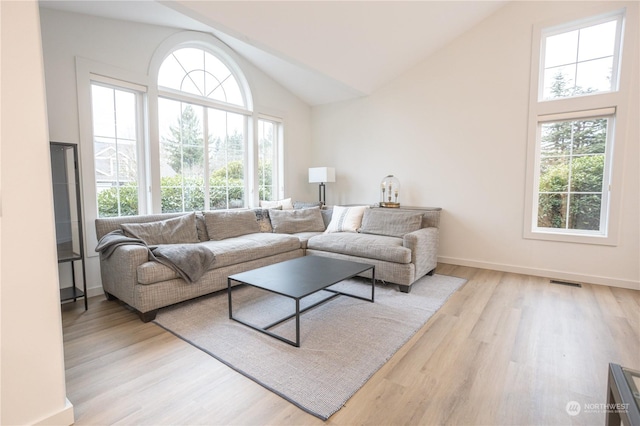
401, 243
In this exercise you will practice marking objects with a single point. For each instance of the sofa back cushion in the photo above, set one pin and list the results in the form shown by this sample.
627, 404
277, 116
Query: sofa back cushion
391, 223
179, 230
294, 221
223, 224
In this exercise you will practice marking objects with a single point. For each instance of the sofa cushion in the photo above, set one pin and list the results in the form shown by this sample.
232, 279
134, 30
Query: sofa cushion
391, 223
306, 204
285, 204
179, 230
346, 219
248, 247
305, 236
380, 247
230, 251
294, 221
222, 224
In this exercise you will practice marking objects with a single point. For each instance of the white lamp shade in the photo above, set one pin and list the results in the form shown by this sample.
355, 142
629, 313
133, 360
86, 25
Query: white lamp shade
322, 174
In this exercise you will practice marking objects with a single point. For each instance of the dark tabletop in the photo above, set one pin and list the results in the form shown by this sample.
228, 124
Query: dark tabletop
302, 276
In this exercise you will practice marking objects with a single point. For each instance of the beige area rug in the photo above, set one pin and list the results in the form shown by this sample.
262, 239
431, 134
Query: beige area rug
343, 341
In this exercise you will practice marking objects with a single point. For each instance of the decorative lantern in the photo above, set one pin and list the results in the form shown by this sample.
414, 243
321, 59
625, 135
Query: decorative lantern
390, 188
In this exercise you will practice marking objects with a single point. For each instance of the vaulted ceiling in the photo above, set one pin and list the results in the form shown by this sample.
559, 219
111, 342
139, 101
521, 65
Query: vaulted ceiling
323, 51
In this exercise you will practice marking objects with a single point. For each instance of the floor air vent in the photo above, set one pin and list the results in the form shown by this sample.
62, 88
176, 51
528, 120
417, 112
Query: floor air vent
566, 283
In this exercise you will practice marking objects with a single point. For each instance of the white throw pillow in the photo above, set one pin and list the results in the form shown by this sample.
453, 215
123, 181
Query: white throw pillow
286, 204
346, 219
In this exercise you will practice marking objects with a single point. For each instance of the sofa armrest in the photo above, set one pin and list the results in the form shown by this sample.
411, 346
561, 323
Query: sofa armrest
119, 272
423, 244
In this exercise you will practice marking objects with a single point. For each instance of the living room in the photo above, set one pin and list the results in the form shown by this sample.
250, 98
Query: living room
453, 127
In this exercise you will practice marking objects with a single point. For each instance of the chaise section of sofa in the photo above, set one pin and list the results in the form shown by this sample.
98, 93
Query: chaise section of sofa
401, 243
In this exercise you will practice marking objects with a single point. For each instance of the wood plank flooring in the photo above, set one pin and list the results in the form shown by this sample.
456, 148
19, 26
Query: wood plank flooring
505, 349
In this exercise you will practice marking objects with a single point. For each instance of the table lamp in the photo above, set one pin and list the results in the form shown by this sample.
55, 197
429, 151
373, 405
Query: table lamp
322, 175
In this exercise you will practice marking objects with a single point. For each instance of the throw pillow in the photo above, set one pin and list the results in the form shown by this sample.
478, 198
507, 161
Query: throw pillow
294, 221
390, 223
346, 219
264, 221
178, 230
223, 224
285, 204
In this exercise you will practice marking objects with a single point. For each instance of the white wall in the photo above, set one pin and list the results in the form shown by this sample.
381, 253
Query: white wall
130, 46
32, 364
453, 130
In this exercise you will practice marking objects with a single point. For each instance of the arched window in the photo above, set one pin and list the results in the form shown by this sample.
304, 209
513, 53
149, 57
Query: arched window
203, 115
198, 72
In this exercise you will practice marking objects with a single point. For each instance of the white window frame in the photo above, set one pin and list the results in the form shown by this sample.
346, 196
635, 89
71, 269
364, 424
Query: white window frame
86, 72
139, 92
582, 106
278, 161
205, 42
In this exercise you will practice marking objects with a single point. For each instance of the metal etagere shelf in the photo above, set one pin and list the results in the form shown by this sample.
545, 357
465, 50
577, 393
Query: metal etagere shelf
68, 216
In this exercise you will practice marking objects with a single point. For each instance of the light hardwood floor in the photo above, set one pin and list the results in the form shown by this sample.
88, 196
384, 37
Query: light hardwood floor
505, 349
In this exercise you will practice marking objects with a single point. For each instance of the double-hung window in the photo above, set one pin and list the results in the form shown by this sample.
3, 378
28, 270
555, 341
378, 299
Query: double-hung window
574, 108
117, 147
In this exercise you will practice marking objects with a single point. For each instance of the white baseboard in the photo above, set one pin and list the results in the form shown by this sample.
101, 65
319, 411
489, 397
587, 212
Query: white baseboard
547, 273
64, 417
95, 291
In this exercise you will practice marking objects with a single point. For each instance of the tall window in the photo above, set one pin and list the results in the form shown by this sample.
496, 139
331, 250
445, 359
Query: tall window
203, 138
116, 140
269, 132
573, 121
573, 183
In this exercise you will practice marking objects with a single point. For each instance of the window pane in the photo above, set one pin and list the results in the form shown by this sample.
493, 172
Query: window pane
125, 115
552, 209
226, 159
103, 111
580, 61
232, 91
554, 174
556, 138
594, 76
572, 174
266, 157
597, 41
561, 49
115, 150
585, 212
559, 82
589, 136
587, 173
182, 165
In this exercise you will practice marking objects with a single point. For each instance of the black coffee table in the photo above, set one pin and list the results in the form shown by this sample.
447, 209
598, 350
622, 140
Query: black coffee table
296, 279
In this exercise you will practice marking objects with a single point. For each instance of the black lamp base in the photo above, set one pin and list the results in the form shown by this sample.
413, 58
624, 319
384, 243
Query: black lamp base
322, 193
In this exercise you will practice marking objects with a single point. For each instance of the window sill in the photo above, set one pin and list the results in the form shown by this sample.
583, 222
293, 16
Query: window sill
576, 238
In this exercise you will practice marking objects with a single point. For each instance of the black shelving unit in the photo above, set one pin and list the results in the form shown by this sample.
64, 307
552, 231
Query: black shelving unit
68, 216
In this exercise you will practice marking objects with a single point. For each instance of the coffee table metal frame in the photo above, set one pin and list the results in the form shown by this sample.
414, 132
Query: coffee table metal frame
334, 271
